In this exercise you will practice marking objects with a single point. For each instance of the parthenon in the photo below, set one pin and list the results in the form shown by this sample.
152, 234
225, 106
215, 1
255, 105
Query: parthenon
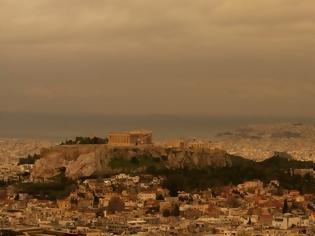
130, 138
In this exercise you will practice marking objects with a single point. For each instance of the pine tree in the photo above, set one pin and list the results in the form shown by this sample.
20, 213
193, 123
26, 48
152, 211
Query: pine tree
285, 208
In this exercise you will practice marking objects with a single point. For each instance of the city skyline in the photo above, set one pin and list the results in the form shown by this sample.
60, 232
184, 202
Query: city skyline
170, 117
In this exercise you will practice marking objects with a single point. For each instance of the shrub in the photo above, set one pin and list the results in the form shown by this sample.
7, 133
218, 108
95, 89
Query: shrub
116, 204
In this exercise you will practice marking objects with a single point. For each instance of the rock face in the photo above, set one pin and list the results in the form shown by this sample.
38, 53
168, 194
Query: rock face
86, 160
197, 158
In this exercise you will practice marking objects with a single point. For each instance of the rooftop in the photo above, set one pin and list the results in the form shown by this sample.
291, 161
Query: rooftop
135, 132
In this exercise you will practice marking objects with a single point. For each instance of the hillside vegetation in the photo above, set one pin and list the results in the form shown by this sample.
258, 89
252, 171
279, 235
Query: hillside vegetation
188, 170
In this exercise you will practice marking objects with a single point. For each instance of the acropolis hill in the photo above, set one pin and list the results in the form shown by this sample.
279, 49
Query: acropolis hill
87, 160
255, 142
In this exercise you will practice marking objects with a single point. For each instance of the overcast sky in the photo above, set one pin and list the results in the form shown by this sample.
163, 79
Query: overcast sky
196, 57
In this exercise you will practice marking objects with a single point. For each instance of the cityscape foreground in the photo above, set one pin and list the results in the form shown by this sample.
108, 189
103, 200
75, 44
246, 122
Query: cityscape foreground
128, 184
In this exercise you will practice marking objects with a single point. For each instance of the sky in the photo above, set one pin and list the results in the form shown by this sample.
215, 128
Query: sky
176, 57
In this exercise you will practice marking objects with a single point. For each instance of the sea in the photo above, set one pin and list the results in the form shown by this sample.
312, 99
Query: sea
62, 127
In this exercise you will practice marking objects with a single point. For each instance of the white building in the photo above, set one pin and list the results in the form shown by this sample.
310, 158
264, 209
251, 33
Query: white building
286, 221
143, 196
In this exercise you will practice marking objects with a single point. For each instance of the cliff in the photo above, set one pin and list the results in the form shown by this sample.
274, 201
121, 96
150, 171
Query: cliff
87, 160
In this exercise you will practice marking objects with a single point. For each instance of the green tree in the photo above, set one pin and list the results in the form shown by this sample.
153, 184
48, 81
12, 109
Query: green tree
176, 211
166, 213
116, 204
285, 208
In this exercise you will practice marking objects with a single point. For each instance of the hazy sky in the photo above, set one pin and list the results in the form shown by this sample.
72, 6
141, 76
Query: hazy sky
200, 57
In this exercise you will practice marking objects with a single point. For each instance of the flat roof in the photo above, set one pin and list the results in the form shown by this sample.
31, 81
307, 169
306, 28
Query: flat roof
131, 132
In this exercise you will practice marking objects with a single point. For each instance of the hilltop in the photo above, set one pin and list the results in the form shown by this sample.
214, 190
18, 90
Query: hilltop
183, 169
82, 161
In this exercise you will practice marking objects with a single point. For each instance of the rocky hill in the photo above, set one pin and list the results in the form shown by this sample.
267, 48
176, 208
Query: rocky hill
87, 160
183, 170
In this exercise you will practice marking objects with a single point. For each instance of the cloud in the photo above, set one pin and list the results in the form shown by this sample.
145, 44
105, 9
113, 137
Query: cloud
169, 56
51, 21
